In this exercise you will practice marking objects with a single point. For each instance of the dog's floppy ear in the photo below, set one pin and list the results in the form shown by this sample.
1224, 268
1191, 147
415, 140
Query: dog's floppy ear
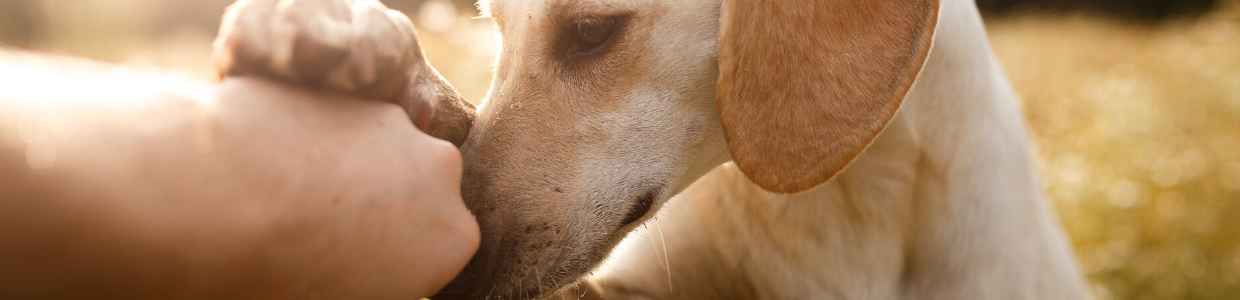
805, 86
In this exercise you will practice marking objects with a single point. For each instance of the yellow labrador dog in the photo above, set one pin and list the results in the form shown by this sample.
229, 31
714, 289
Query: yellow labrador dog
830, 149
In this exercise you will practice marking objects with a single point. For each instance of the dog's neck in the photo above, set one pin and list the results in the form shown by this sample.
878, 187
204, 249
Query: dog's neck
948, 185
975, 194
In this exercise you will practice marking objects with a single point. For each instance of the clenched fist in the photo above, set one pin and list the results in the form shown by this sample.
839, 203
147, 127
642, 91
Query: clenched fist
358, 47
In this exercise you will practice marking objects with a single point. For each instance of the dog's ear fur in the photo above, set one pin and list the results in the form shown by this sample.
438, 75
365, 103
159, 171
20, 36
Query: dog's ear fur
805, 86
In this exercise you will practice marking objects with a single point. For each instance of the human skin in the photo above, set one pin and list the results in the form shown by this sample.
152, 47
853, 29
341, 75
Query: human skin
257, 190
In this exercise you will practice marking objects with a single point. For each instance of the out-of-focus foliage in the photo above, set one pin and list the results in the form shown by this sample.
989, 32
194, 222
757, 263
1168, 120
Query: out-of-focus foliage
1137, 130
1137, 124
178, 33
1139, 10
164, 33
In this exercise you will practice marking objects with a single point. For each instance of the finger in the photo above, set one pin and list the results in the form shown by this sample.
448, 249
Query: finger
311, 37
383, 52
242, 41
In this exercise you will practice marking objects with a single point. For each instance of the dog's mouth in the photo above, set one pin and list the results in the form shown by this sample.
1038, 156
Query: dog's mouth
640, 208
469, 285
510, 270
534, 259
459, 286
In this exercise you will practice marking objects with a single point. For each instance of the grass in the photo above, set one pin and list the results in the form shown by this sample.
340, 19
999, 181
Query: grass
1137, 130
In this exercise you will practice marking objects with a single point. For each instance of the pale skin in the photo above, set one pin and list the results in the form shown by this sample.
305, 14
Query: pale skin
257, 190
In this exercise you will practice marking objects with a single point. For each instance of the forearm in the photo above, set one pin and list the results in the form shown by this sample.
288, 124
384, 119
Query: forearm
88, 202
263, 192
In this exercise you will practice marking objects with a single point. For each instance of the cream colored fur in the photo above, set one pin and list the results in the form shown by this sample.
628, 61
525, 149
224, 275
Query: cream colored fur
943, 205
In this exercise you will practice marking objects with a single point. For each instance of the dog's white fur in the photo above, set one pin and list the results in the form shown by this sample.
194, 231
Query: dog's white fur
943, 205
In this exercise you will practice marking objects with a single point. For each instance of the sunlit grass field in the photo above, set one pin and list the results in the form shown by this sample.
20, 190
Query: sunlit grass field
1136, 125
1137, 129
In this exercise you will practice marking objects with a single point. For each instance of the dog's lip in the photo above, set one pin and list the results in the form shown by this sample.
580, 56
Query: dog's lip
460, 286
479, 279
471, 285
451, 291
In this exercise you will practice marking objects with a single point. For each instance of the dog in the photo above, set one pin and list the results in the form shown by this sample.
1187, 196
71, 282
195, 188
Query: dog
842, 149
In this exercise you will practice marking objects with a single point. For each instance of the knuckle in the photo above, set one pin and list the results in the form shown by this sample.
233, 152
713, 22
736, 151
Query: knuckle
447, 154
237, 48
446, 158
392, 113
360, 47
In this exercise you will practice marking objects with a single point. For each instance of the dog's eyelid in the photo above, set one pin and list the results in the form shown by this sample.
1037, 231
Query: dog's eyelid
599, 15
591, 32
578, 8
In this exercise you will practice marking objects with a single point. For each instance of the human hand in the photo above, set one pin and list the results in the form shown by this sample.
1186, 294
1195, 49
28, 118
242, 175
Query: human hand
376, 192
357, 47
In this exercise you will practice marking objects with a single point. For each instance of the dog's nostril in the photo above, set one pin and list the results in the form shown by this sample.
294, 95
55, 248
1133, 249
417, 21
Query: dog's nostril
639, 209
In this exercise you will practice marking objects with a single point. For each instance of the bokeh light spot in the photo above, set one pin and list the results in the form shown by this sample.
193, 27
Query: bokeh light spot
40, 155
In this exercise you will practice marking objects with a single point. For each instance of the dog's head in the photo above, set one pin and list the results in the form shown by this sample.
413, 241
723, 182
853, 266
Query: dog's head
601, 110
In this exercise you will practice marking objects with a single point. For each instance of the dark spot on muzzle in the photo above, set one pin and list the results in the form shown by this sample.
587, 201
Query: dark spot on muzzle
639, 209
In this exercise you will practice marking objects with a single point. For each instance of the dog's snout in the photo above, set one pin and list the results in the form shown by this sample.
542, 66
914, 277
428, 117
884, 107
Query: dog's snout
639, 208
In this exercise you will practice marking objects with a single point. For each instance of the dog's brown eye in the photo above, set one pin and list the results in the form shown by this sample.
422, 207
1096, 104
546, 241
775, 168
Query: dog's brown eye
592, 32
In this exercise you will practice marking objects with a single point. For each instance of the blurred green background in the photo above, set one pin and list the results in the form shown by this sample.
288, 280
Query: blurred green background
1134, 107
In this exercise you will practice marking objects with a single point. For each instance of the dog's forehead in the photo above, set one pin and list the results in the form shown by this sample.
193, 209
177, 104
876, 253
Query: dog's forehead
501, 9
488, 8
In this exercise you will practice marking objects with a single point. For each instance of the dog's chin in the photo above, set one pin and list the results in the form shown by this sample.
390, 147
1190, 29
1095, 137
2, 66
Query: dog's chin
467, 286
502, 274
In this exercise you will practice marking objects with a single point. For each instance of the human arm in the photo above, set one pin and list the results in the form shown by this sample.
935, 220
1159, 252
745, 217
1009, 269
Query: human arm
258, 190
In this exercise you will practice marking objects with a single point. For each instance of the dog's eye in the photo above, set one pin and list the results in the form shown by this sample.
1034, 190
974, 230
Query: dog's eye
592, 32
